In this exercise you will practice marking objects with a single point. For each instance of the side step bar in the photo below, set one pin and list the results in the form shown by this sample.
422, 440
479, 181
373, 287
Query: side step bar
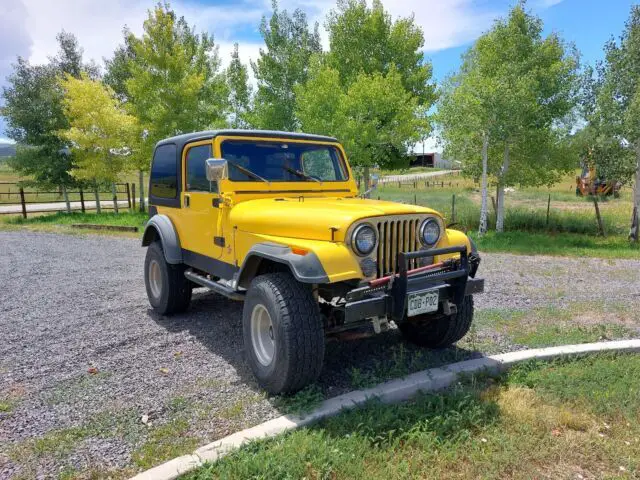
215, 286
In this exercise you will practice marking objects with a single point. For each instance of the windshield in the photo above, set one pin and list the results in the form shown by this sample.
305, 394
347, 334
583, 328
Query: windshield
283, 162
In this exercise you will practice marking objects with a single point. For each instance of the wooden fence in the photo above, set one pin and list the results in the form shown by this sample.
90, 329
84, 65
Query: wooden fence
14, 195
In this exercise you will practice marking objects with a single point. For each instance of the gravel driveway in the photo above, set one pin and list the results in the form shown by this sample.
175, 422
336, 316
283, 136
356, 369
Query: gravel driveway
89, 374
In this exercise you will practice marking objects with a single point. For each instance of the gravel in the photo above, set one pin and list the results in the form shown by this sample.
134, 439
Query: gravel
82, 349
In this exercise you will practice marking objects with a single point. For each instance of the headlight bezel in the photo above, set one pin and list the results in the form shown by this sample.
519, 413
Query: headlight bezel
421, 232
354, 242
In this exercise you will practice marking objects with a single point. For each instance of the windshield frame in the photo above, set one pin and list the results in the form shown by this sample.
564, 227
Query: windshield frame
339, 151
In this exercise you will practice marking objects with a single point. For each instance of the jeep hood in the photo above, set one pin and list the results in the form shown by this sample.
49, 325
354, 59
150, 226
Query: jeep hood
312, 218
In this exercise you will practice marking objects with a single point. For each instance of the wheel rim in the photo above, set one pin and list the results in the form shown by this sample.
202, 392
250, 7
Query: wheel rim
262, 336
155, 278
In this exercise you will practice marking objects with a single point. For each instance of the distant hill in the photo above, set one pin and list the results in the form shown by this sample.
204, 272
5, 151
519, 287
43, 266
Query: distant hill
7, 150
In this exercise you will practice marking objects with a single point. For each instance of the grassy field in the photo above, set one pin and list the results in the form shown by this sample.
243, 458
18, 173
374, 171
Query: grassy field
567, 419
61, 222
571, 227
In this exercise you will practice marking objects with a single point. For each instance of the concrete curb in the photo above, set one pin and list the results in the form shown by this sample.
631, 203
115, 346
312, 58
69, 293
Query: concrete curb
392, 391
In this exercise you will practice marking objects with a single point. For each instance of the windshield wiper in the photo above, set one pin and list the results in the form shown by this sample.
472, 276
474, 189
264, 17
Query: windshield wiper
247, 172
299, 173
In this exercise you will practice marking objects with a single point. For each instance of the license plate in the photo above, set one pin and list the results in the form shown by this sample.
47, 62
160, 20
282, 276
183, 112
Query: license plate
422, 302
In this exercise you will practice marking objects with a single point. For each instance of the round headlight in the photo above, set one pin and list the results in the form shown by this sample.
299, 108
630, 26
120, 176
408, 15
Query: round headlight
429, 232
364, 240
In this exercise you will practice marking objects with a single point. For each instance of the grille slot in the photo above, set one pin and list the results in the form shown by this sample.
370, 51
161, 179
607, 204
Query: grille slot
396, 235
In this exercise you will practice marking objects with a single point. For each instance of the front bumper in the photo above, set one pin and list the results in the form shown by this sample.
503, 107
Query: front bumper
454, 279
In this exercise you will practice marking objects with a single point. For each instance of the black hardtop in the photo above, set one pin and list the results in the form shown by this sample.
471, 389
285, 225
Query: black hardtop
181, 140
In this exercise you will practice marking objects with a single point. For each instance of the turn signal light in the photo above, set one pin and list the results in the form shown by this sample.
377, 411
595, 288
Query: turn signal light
299, 251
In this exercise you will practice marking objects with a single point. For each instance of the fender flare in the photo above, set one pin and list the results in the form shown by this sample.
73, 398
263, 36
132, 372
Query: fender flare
305, 268
160, 226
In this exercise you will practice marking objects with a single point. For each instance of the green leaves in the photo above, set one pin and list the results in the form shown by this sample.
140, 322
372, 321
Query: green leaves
101, 133
281, 67
371, 89
239, 91
516, 87
174, 82
34, 115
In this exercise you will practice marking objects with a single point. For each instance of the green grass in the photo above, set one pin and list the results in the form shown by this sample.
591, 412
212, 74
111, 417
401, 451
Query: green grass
125, 218
563, 244
300, 403
577, 322
165, 442
547, 335
554, 420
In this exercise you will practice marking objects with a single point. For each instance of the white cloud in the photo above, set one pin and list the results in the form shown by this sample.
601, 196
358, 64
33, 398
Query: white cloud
99, 26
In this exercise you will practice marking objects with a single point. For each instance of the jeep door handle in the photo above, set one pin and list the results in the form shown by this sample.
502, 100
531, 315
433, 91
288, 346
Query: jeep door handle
187, 200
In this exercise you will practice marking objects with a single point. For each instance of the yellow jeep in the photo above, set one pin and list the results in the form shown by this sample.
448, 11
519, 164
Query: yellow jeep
273, 219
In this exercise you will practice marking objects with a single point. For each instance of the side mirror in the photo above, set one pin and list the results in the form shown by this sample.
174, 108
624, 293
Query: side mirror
217, 169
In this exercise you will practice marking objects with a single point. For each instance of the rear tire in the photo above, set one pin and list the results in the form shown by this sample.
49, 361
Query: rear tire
167, 288
283, 333
441, 332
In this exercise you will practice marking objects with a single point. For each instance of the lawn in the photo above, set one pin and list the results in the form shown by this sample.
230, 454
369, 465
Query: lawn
575, 418
60, 222
570, 229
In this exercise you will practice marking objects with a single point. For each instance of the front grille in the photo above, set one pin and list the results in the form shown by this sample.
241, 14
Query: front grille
396, 235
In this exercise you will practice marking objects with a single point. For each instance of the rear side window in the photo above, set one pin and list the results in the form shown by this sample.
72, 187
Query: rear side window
196, 169
164, 172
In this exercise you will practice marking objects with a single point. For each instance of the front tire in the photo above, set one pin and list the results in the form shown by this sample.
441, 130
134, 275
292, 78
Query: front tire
442, 331
167, 288
283, 333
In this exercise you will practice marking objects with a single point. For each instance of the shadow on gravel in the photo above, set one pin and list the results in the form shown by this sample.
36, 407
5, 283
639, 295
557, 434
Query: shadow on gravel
216, 322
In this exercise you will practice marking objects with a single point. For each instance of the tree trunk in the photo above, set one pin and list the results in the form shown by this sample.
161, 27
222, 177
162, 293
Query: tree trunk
114, 192
500, 199
594, 197
141, 180
483, 206
66, 198
366, 179
633, 233
97, 195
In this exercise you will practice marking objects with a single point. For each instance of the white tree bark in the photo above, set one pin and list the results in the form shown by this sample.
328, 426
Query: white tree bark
500, 199
66, 198
366, 179
141, 181
485, 194
115, 197
97, 195
633, 233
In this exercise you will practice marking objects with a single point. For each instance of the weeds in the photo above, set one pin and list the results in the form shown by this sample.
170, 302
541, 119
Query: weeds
300, 403
556, 420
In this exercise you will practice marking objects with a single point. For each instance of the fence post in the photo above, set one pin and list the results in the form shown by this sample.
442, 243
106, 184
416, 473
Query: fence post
133, 195
128, 195
82, 200
24, 205
548, 209
453, 208
399, 184
415, 199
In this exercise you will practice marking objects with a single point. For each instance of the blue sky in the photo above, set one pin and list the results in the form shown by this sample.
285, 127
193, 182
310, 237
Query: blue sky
450, 26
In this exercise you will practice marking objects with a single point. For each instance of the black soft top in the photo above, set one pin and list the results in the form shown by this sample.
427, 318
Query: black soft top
181, 140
